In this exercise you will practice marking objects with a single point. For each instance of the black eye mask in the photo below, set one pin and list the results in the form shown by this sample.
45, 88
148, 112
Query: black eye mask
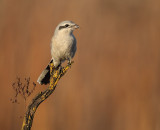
65, 26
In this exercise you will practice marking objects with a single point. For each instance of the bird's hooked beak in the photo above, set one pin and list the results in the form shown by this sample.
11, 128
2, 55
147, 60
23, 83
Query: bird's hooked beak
75, 26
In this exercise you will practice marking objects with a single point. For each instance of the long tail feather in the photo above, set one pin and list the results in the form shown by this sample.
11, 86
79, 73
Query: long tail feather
44, 78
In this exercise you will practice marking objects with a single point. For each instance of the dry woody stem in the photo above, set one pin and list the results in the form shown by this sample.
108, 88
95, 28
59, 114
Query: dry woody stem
56, 74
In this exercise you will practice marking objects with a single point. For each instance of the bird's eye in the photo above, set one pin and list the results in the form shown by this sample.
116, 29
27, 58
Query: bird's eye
66, 25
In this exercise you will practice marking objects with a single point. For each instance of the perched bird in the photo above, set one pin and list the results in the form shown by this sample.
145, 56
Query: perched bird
63, 47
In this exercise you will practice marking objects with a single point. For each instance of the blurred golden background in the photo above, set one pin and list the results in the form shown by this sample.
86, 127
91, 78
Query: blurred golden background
114, 83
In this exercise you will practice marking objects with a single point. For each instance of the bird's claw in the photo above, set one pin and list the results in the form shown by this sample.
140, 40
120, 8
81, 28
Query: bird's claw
70, 63
60, 68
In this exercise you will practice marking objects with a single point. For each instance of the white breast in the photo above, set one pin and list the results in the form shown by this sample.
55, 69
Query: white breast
62, 48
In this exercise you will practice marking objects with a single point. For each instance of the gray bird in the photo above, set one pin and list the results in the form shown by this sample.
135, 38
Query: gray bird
63, 47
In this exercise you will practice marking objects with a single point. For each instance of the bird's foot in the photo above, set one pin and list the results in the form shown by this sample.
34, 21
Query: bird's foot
60, 68
70, 63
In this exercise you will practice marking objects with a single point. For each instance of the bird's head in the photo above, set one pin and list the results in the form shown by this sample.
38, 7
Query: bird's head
66, 27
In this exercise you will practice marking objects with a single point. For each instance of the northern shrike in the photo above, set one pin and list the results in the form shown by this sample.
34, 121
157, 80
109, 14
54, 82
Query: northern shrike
63, 47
